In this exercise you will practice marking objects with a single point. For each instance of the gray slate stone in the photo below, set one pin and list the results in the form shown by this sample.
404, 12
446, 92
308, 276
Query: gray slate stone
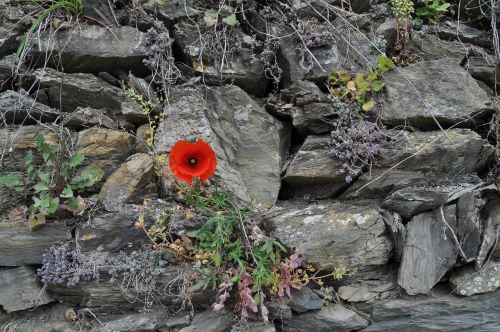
356, 294
429, 251
13, 23
147, 321
330, 318
468, 282
20, 247
209, 321
112, 232
86, 117
245, 138
469, 224
19, 289
333, 233
19, 108
304, 299
440, 312
313, 172
78, 90
456, 99
92, 49
127, 182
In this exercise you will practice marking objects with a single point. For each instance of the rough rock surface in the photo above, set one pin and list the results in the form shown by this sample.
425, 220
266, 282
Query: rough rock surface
304, 299
209, 321
333, 233
19, 108
20, 290
69, 91
127, 182
149, 321
330, 318
243, 135
87, 117
21, 247
105, 148
440, 312
429, 250
86, 49
313, 172
468, 282
456, 100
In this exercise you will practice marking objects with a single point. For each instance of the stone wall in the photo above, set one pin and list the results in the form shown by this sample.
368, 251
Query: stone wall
418, 227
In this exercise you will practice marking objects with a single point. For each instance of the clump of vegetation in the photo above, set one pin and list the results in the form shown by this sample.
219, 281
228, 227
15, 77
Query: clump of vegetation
431, 11
360, 89
402, 10
72, 7
148, 107
230, 253
52, 183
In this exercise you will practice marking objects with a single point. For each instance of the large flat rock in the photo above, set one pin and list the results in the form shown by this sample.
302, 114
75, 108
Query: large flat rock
313, 172
429, 251
333, 233
20, 108
20, 290
92, 49
330, 318
439, 312
19, 246
245, 138
450, 92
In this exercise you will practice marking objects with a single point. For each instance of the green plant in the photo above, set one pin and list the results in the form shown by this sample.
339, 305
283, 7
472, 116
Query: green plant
73, 7
231, 254
52, 183
360, 88
431, 11
402, 10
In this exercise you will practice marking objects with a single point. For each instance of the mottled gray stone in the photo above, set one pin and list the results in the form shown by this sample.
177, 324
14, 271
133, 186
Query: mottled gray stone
20, 290
456, 99
147, 321
13, 23
19, 108
356, 294
86, 117
397, 231
330, 318
127, 182
70, 91
439, 312
245, 138
313, 172
429, 250
452, 30
333, 233
133, 113
469, 282
469, 224
86, 49
209, 321
304, 299
19, 246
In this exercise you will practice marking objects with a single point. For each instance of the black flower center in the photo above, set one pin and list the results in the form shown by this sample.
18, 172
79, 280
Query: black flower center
192, 161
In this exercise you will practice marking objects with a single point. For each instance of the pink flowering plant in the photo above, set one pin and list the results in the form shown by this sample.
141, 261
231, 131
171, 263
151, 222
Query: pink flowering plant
231, 254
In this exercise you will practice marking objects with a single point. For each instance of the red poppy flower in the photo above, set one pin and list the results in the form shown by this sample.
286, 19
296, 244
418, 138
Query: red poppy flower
189, 160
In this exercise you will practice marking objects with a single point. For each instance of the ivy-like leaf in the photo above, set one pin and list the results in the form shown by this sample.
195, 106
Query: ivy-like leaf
67, 192
230, 20
41, 186
75, 160
11, 180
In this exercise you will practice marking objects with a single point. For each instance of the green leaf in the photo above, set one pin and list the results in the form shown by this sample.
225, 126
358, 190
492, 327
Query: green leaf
44, 176
377, 85
75, 160
199, 285
256, 298
46, 204
11, 180
87, 178
230, 20
444, 7
67, 192
76, 205
41, 186
217, 259
368, 106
